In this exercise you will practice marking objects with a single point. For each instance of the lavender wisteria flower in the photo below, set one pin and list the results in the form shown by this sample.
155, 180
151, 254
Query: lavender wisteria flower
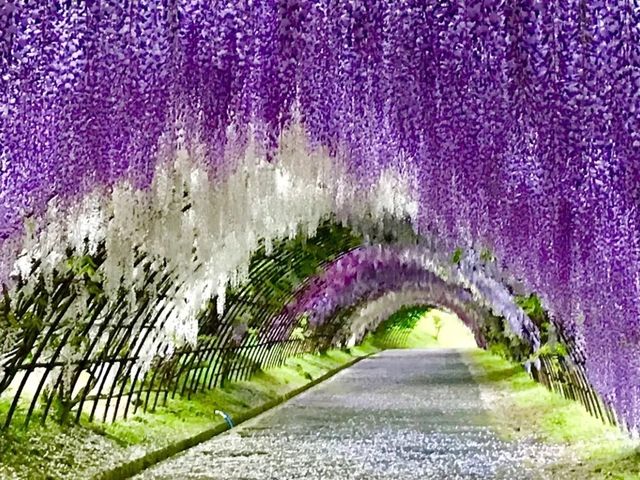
367, 273
187, 131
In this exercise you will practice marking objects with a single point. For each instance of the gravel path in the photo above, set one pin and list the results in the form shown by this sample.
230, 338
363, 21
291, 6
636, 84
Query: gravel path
402, 414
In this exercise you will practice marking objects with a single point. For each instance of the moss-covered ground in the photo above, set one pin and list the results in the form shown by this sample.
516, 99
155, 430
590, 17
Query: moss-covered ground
521, 407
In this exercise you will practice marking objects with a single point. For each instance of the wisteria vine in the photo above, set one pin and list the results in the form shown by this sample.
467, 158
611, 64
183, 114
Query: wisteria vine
186, 132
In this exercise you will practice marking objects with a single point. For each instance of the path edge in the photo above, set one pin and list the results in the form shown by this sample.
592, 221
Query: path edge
133, 467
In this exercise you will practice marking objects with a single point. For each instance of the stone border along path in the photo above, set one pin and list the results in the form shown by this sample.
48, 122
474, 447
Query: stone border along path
129, 469
400, 414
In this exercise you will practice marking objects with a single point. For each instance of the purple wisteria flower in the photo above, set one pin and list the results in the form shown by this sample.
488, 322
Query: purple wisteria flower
517, 124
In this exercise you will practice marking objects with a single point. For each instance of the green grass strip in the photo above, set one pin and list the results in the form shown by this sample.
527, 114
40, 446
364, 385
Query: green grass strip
521, 407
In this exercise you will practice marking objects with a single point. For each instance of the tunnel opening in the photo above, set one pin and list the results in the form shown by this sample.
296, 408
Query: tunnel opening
423, 326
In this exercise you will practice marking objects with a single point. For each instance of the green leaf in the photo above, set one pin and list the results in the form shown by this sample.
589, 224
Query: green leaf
457, 256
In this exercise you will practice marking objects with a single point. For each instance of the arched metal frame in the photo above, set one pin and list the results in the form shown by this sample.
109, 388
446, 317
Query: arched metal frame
105, 380
562, 374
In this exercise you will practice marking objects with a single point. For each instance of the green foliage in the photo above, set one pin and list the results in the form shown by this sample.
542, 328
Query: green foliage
84, 265
406, 318
457, 255
532, 306
274, 276
555, 349
551, 346
501, 341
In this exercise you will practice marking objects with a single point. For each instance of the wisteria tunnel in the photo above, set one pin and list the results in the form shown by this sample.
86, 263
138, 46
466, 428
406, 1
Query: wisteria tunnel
193, 191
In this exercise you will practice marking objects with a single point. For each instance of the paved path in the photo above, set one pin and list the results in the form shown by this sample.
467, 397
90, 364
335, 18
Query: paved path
403, 414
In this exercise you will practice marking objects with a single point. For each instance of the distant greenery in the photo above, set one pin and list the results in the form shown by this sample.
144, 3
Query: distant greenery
420, 327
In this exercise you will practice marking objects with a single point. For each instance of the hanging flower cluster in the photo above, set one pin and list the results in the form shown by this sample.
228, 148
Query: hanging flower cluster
185, 133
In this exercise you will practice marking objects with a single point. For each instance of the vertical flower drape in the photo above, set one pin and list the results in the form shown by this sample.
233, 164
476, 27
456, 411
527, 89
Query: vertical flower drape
190, 130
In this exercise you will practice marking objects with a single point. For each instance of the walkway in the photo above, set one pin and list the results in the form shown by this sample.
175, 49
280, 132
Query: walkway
403, 414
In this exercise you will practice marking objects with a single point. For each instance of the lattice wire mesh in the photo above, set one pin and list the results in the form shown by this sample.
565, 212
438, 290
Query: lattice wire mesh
95, 365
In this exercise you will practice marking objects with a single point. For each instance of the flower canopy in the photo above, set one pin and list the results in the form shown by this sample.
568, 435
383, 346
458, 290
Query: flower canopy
188, 132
